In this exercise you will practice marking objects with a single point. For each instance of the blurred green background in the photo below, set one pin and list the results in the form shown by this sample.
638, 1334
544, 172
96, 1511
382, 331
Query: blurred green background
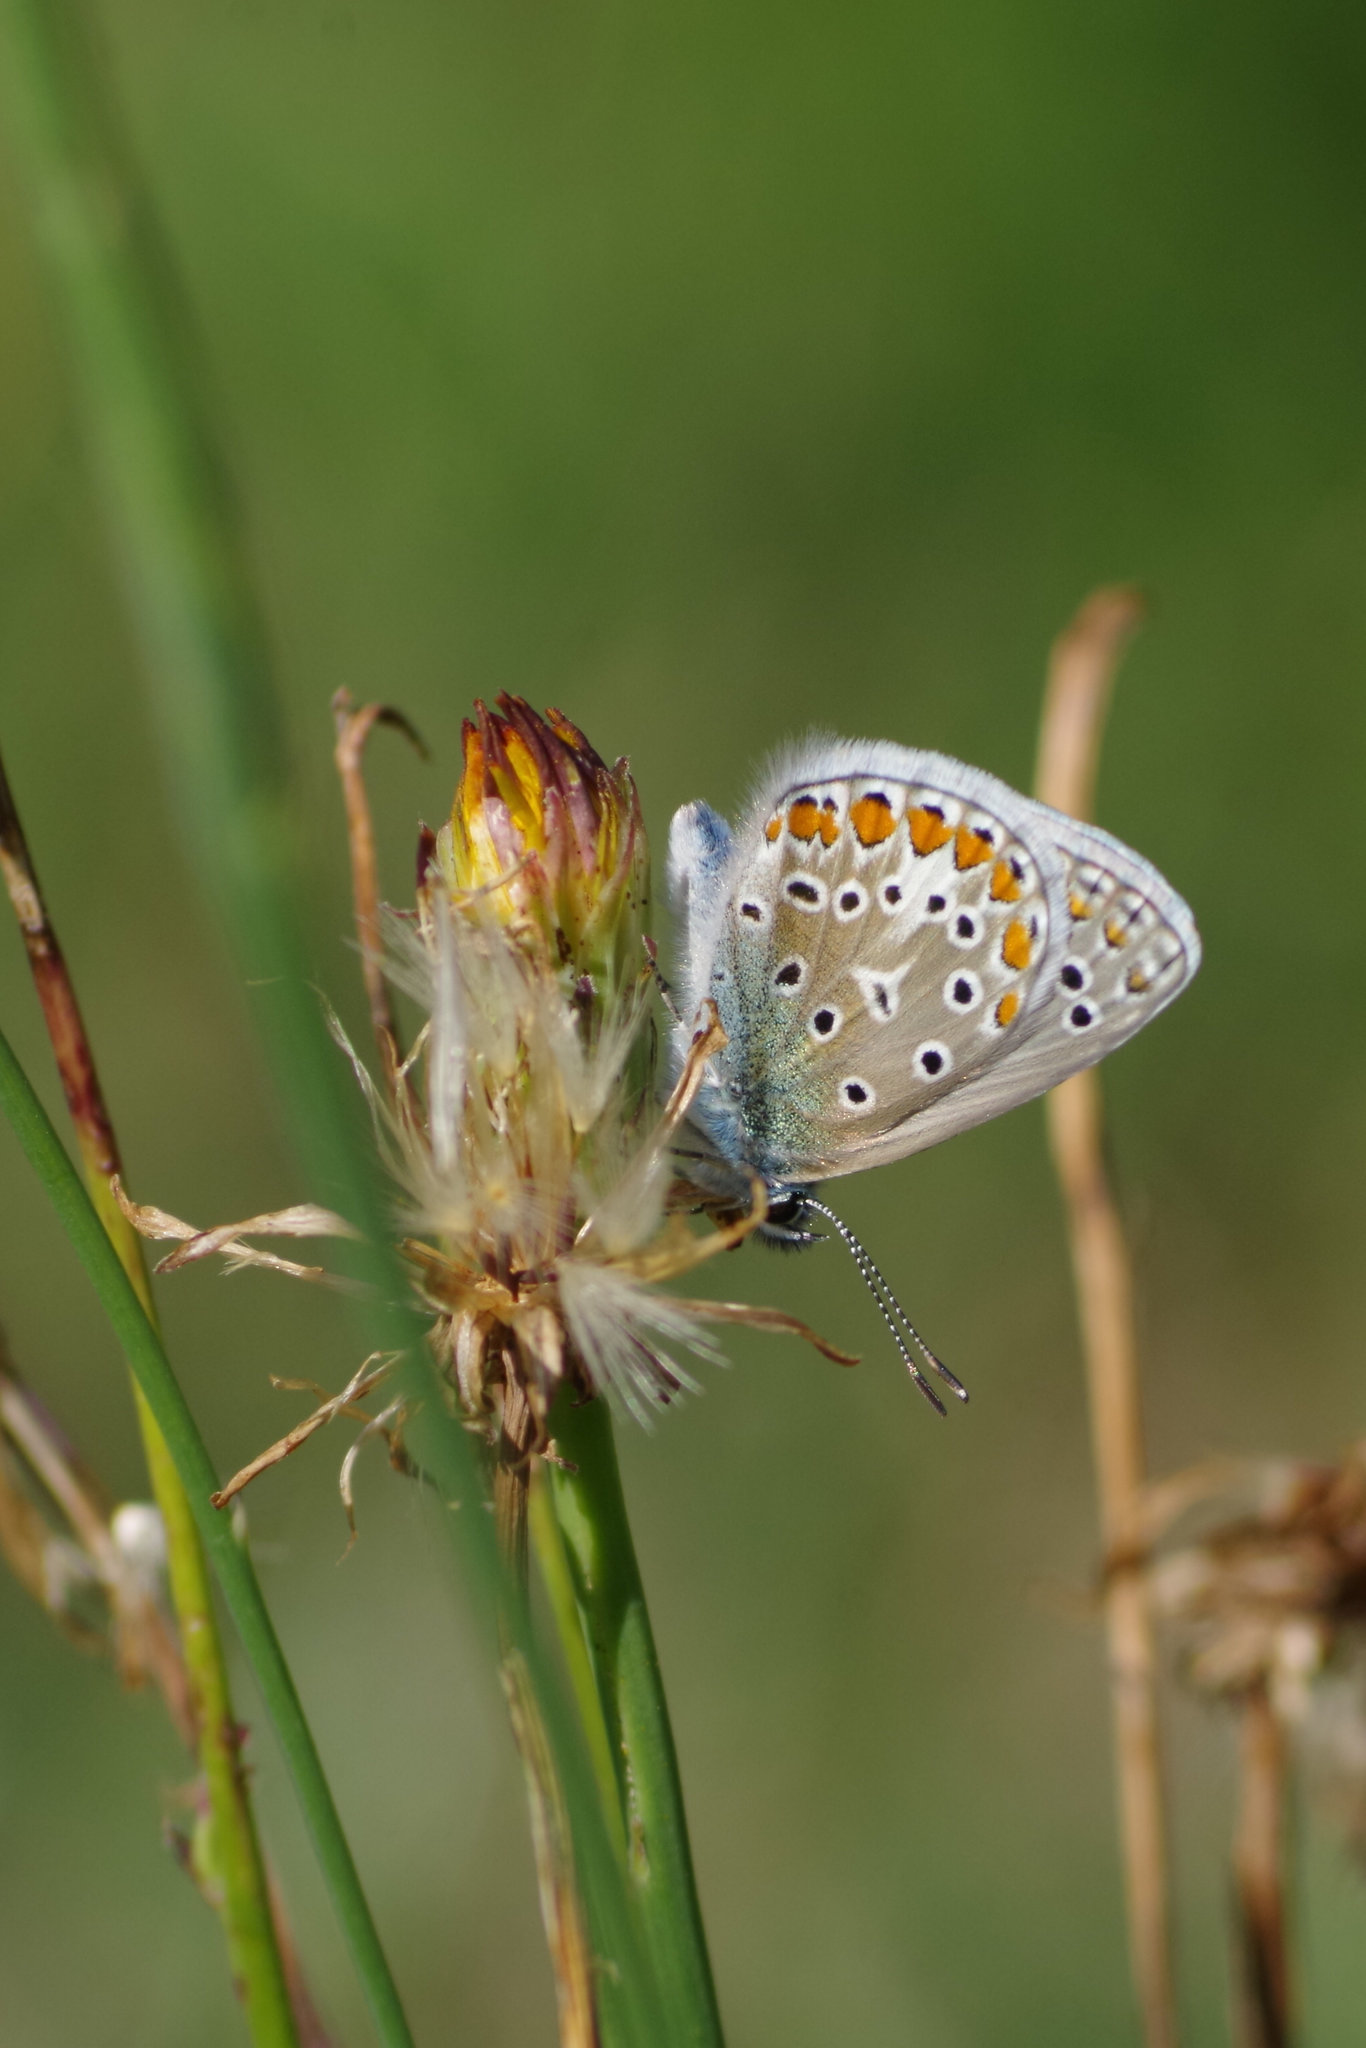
715, 372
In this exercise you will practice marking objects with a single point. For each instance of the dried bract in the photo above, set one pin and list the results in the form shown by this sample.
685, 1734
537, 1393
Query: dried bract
1272, 1600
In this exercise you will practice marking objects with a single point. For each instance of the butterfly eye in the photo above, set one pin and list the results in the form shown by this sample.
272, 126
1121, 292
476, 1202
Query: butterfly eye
932, 1060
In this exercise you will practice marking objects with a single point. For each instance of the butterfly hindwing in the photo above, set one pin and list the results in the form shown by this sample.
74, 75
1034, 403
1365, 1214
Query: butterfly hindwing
900, 946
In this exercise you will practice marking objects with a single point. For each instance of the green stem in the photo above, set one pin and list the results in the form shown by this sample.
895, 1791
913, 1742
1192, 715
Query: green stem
561, 1594
234, 1859
175, 529
234, 1871
591, 1513
151, 1368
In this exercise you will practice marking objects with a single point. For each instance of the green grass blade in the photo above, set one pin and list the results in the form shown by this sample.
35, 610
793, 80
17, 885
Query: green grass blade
152, 1370
238, 1884
591, 1512
176, 536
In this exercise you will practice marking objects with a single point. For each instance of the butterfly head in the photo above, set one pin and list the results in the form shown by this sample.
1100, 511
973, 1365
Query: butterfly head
787, 1219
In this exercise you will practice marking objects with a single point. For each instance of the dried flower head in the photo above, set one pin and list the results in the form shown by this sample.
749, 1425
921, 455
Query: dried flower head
522, 1128
1271, 1600
540, 1173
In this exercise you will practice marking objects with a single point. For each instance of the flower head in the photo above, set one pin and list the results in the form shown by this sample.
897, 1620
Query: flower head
522, 1127
1270, 1601
543, 822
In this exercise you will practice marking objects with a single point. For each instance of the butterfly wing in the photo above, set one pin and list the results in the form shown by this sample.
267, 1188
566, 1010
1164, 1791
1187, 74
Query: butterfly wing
901, 946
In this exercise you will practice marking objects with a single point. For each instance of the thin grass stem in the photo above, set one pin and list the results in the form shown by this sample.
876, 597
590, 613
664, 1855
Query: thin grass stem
1258, 1875
146, 1356
1080, 675
175, 531
241, 1887
557, 1581
562, 1915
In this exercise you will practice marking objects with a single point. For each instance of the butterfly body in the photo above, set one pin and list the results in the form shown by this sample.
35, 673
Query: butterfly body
900, 946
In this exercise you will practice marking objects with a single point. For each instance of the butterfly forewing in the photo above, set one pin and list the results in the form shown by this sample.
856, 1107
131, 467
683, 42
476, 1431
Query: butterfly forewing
900, 946
882, 944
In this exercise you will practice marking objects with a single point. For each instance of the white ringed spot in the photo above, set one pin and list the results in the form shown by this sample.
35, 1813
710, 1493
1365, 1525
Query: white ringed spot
806, 892
850, 900
962, 991
932, 1060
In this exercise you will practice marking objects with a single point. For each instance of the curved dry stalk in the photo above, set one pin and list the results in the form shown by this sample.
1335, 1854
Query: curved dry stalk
143, 1641
354, 728
1081, 670
1258, 1860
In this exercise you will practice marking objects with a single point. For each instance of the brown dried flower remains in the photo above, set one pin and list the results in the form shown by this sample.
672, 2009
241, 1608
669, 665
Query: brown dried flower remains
521, 1126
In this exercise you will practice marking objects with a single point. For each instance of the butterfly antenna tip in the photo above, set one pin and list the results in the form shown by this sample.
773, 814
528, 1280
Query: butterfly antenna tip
893, 1314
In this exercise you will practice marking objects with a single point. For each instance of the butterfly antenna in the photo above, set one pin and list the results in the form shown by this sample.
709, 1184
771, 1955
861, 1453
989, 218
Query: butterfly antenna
893, 1314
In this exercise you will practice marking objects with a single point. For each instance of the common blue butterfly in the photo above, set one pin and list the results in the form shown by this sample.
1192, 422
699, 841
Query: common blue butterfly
898, 946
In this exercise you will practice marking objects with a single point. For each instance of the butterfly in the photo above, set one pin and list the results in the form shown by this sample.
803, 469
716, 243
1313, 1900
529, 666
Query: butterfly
898, 947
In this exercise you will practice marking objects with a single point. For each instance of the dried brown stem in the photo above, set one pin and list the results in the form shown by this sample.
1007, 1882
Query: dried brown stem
354, 728
571, 1953
517, 1437
145, 1645
1081, 670
66, 1029
1258, 1860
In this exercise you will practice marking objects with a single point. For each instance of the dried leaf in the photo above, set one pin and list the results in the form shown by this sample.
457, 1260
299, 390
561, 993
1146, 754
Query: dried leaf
377, 1425
775, 1320
304, 1219
356, 1388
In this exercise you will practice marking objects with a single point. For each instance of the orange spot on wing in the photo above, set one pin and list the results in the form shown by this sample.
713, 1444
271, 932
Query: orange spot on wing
1017, 946
772, 829
1136, 981
928, 830
972, 848
1080, 908
803, 820
873, 820
1006, 1009
1005, 883
830, 824
1116, 932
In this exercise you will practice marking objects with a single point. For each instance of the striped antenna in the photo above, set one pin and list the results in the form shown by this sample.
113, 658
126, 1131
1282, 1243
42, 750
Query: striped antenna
893, 1314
